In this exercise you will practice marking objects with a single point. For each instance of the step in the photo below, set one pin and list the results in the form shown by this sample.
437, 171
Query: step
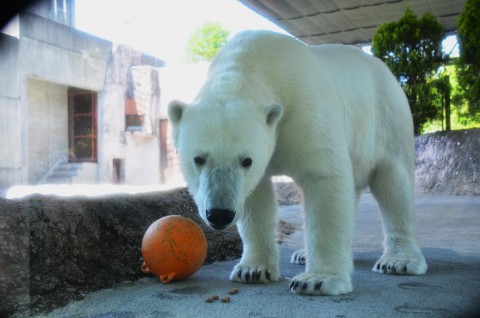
59, 180
64, 173
70, 166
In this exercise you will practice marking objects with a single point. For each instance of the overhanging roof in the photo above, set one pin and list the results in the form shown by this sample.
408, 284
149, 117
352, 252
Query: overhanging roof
348, 21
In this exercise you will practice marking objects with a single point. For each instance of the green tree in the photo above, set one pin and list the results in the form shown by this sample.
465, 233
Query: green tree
412, 50
206, 41
468, 64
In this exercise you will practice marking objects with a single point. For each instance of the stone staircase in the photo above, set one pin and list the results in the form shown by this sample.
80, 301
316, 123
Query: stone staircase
64, 173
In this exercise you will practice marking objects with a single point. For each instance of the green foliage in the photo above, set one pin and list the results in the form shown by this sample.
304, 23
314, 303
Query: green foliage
468, 64
206, 41
412, 50
460, 116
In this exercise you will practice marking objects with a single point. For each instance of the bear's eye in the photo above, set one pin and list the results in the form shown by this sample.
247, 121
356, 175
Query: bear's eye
247, 162
199, 161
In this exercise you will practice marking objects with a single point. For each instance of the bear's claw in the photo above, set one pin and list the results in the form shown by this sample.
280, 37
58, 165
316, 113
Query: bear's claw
393, 265
253, 274
309, 284
391, 269
299, 257
257, 276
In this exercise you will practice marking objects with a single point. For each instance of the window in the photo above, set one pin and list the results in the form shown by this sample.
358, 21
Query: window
133, 121
60, 10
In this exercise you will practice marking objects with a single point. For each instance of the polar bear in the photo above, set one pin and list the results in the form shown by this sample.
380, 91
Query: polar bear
331, 117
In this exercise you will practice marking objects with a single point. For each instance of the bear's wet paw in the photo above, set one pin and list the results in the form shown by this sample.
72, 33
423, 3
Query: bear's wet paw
409, 264
314, 284
299, 257
252, 274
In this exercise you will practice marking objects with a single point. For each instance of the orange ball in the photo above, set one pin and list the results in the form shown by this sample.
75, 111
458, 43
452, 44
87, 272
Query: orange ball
173, 248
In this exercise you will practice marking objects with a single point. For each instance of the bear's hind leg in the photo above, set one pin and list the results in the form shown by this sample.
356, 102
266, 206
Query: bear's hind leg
392, 186
257, 227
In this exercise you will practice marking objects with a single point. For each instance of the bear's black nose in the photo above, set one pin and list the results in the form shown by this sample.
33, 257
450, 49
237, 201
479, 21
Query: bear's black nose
220, 218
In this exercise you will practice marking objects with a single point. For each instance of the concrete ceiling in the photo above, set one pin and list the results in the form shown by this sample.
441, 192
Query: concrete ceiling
348, 21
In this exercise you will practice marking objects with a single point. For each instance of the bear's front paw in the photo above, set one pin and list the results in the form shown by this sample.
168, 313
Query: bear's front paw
299, 257
401, 264
245, 273
318, 284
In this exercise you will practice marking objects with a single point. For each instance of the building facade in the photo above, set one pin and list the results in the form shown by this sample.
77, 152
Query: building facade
76, 108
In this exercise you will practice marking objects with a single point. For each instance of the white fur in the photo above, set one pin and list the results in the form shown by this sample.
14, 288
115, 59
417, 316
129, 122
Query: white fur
332, 118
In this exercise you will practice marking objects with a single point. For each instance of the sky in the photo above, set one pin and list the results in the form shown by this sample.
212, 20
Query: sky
161, 28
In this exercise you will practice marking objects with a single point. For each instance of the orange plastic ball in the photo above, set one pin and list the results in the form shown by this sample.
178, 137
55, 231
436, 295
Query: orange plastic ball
173, 248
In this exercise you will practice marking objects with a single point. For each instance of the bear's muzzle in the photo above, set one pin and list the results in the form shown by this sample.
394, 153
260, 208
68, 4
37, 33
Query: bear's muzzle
219, 219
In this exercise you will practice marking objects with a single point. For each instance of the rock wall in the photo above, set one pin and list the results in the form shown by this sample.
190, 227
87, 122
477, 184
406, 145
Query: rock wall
448, 163
53, 250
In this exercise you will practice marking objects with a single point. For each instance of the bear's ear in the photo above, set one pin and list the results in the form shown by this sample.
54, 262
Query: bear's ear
273, 112
175, 111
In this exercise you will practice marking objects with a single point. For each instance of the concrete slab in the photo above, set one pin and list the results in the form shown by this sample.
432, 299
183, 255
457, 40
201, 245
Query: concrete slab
448, 231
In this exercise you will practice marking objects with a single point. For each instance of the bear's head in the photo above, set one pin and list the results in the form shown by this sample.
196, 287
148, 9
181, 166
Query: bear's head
225, 148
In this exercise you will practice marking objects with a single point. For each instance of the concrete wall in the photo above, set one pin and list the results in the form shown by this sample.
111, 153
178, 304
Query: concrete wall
47, 123
146, 90
111, 105
138, 151
10, 164
111, 136
86, 174
172, 172
68, 56
142, 160
37, 70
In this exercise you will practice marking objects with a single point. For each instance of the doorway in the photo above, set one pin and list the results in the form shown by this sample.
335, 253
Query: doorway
82, 125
